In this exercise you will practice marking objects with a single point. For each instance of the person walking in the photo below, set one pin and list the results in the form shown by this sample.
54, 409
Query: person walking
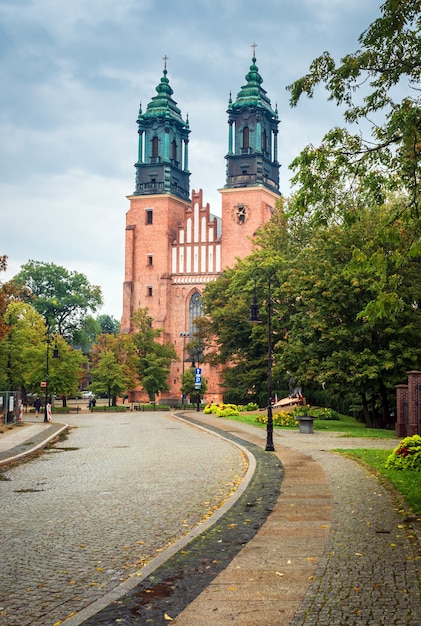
37, 405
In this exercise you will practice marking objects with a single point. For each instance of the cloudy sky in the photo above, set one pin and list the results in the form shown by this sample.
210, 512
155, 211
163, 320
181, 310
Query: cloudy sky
72, 76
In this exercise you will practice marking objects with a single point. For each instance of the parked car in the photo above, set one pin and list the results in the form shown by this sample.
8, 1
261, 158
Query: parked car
87, 395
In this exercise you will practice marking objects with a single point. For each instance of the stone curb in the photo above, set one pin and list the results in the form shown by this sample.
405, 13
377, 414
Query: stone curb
33, 444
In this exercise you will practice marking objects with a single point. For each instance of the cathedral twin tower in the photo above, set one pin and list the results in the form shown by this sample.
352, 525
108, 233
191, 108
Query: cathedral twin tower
174, 245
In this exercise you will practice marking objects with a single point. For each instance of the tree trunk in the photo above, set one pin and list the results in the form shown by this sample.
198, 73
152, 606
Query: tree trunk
366, 411
385, 413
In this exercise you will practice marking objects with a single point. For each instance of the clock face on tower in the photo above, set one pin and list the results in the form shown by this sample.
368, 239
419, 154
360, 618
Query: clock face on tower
240, 213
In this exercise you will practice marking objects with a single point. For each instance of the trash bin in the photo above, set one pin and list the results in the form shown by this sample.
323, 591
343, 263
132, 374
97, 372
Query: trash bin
306, 424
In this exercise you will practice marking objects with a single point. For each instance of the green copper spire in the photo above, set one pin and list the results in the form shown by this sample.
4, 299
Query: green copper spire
252, 158
252, 93
162, 163
162, 105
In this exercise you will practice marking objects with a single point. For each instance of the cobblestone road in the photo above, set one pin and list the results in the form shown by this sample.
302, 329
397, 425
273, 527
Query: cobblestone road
91, 511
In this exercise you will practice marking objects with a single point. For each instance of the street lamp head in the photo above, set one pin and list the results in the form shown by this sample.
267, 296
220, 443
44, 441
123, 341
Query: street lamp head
55, 350
254, 311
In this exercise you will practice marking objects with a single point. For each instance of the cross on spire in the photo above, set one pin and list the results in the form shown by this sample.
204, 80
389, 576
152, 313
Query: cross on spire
254, 46
165, 59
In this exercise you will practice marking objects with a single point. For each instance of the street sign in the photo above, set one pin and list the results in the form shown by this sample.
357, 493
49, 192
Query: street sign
43, 384
197, 385
198, 379
198, 371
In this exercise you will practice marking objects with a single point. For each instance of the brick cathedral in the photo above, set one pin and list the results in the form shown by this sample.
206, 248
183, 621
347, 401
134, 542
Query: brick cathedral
174, 244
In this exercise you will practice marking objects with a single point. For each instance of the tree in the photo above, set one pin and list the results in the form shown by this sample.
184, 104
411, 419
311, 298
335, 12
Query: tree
24, 354
231, 341
109, 376
4, 299
90, 327
63, 298
378, 86
330, 342
66, 371
83, 337
323, 334
120, 346
108, 324
20, 349
151, 359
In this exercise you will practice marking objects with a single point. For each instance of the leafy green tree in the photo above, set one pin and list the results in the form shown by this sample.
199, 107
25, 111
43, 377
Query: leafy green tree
90, 327
121, 347
151, 358
67, 370
375, 157
5, 294
24, 355
230, 339
63, 298
109, 376
330, 341
323, 334
83, 337
108, 324
22, 345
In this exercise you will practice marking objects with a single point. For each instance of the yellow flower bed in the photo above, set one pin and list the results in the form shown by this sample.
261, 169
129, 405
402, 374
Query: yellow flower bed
283, 419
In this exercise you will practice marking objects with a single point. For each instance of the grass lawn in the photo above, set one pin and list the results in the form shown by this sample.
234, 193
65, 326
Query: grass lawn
349, 426
407, 482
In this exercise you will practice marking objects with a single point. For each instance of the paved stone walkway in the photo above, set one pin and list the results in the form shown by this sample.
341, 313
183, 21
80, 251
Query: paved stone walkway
365, 571
91, 511
335, 550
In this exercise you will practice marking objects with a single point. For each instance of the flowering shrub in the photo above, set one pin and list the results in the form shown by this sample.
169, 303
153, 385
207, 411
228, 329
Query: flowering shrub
283, 419
251, 406
222, 410
407, 455
320, 413
210, 408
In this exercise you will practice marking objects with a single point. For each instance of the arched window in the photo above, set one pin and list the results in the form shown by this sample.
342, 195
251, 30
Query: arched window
264, 141
154, 147
195, 311
246, 137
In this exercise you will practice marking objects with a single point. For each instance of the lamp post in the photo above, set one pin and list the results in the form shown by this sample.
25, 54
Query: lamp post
47, 372
184, 334
255, 318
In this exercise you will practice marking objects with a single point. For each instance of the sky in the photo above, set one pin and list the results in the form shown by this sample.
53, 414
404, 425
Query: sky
72, 75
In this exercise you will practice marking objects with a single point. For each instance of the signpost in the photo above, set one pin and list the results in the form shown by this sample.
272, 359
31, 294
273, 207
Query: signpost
198, 384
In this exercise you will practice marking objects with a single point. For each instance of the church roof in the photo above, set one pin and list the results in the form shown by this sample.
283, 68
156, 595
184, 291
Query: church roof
252, 93
162, 105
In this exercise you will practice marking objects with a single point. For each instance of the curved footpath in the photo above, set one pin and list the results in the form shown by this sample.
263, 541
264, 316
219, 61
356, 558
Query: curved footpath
335, 548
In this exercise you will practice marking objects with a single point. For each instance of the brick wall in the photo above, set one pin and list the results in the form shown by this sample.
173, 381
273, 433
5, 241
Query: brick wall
408, 406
